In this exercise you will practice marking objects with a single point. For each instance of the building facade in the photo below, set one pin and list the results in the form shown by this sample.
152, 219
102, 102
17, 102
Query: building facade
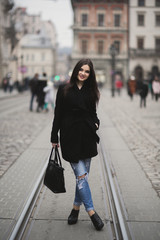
144, 38
34, 53
97, 25
5, 41
36, 48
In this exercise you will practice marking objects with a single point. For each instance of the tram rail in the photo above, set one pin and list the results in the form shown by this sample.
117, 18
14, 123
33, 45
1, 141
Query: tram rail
23, 220
121, 230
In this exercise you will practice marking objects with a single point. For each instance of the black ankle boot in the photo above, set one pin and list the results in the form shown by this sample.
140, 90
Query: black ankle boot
97, 222
73, 217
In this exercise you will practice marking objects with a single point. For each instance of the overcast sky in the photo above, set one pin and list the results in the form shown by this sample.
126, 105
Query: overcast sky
58, 11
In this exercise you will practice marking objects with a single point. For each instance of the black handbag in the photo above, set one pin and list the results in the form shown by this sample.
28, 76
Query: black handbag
54, 176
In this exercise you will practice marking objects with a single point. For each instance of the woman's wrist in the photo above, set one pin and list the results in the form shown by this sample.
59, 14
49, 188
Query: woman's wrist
55, 144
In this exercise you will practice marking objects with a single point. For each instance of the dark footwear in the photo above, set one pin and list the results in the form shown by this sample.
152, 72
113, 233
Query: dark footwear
97, 222
73, 217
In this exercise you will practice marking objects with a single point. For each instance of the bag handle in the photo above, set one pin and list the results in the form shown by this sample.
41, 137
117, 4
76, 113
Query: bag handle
57, 156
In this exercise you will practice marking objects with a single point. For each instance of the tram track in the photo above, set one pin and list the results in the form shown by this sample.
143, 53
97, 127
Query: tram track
120, 229
117, 221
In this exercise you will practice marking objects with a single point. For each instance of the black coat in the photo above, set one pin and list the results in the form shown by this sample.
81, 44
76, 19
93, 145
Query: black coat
75, 117
33, 85
143, 90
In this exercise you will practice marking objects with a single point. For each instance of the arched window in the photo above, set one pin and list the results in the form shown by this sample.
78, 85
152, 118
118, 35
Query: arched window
155, 70
139, 73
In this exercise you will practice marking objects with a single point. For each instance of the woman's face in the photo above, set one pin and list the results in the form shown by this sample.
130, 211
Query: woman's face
83, 73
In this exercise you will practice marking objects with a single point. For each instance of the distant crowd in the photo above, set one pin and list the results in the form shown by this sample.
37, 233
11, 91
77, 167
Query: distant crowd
143, 88
42, 89
140, 87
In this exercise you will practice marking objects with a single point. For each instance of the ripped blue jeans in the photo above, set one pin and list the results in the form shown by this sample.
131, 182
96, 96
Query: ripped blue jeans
82, 193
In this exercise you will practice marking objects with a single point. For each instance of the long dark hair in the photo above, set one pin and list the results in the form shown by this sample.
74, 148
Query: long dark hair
90, 82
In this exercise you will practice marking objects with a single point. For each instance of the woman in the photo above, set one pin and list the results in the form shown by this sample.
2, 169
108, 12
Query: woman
76, 118
156, 87
49, 95
131, 87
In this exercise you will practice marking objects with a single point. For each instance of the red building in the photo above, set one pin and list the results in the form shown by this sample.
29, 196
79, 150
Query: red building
97, 25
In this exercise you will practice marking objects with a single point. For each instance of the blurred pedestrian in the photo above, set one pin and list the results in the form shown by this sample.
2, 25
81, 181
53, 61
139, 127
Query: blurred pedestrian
150, 80
143, 92
76, 118
131, 85
10, 83
118, 84
49, 95
5, 84
156, 87
42, 83
33, 84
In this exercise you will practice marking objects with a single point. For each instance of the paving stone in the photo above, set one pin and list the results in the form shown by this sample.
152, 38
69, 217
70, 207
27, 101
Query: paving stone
18, 129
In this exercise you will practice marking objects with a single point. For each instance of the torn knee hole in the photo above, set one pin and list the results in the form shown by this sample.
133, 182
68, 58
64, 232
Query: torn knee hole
83, 176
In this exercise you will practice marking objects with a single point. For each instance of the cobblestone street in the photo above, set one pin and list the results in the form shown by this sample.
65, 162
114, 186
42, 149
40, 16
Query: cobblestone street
18, 128
131, 136
140, 128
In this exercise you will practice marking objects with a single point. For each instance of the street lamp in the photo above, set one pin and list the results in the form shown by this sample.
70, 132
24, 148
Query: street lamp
15, 58
113, 53
22, 66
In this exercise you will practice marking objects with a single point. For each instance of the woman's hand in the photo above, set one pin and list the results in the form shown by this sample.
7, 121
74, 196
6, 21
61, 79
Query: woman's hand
55, 144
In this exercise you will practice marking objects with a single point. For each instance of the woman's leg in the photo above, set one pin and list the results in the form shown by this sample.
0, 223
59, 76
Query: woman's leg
83, 193
45, 105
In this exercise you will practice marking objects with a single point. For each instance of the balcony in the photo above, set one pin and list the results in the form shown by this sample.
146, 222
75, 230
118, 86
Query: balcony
144, 53
93, 27
99, 29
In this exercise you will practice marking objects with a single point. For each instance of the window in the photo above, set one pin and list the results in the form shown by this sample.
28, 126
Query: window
157, 19
27, 57
100, 20
140, 43
43, 40
43, 56
157, 3
32, 57
117, 19
141, 3
33, 19
117, 46
157, 43
84, 19
84, 46
140, 20
100, 47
